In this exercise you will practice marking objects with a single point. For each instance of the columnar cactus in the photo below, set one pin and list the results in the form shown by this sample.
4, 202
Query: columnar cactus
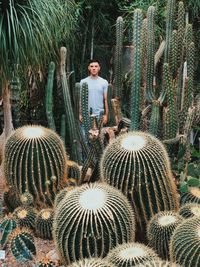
189, 210
160, 229
137, 163
35, 161
25, 216
44, 223
193, 195
92, 262
185, 243
91, 220
158, 263
22, 244
6, 227
130, 254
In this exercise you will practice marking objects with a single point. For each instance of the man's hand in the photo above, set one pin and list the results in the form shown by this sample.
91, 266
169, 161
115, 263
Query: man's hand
105, 119
80, 118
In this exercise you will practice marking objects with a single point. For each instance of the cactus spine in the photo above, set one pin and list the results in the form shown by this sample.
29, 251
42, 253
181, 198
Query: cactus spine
160, 229
130, 254
91, 220
49, 96
93, 262
25, 216
137, 164
22, 244
185, 243
189, 210
135, 90
44, 223
35, 161
118, 57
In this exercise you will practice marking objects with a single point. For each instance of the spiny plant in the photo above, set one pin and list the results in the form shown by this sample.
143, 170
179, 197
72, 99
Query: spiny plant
193, 195
158, 263
137, 164
25, 216
26, 199
160, 229
130, 254
22, 244
74, 170
90, 220
44, 223
35, 161
189, 210
45, 262
185, 243
92, 262
6, 227
60, 196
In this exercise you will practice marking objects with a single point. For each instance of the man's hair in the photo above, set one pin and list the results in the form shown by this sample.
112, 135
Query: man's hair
94, 60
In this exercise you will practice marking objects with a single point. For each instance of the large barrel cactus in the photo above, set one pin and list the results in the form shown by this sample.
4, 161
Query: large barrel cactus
35, 162
130, 254
192, 196
137, 163
90, 220
189, 210
93, 262
158, 263
185, 243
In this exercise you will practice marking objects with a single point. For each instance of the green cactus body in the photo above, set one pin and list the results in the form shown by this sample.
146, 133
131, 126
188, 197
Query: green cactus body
111, 119
26, 199
22, 245
77, 93
174, 54
137, 163
193, 195
136, 84
189, 210
6, 227
25, 216
158, 263
61, 195
144, 49
171, 102
185, 243
45, 262
84, 109
63, 128
190, 69
35, 161
118, 57
155, 119
44, 223
159, 231
91, 220
49, 97
74, 170
150, 52
180, 29
93, 262
130, 254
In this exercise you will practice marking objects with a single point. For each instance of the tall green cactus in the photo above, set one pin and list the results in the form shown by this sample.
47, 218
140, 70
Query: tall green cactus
130, 254
185, 243
136, 84
137, 164
180, 29
22, 245
118, 57
49, 96
155, 119
84, 110
174, 54
35, 161
90, 220
71, 123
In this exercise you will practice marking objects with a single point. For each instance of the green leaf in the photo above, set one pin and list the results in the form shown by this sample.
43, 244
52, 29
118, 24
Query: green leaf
193, 182
183, 187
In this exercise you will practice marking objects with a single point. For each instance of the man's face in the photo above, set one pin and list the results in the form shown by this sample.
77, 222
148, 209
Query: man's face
94, 68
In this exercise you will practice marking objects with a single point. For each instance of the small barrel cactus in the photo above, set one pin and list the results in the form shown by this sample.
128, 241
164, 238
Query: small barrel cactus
190, 210
158, 263
44, 222
7, 225
35, 161
130, 254
185, 243
93, 262
25, 216
193, 195
26, 199
160, 229
22, 244
137, 163
91, 220
45, 262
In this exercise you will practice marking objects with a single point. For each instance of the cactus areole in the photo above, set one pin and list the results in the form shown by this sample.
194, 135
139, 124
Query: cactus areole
35, 162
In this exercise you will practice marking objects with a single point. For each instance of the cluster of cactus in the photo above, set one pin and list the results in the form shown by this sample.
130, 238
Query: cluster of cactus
90, 221
137, 164
189, 210
25, 216
35, 161
185, 243
92, 262
44, 223
7, 225
160, 229
22, 244
130, 254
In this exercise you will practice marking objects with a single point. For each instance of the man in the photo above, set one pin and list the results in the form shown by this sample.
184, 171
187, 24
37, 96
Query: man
97, 91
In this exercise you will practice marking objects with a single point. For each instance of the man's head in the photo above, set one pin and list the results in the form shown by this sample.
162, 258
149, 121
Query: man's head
94, 67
